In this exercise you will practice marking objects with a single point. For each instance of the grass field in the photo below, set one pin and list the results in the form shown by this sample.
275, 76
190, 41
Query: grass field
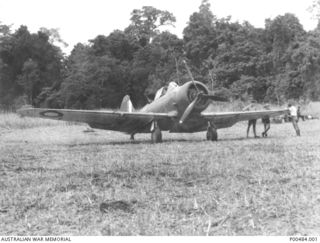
62, 179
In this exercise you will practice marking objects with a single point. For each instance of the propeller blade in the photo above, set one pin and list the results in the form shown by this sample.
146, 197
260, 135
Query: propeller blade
214, 97
188, 110
191, 76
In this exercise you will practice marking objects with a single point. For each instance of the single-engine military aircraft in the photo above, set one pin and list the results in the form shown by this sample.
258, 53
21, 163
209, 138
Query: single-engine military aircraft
177, 109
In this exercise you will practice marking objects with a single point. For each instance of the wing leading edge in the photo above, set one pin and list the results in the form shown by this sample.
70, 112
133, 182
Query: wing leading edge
227, 119
128, 122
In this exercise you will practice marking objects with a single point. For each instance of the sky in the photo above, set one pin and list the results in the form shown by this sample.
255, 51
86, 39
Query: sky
82, 20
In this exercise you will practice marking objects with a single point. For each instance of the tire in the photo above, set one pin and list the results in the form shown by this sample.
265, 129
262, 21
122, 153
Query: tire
156, 136
212, 134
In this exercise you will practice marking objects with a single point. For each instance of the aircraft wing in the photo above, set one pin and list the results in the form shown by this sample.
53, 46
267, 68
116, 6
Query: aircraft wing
128, 122
227, 119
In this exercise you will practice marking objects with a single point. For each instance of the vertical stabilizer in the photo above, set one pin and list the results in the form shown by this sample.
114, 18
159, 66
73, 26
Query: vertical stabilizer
126, 104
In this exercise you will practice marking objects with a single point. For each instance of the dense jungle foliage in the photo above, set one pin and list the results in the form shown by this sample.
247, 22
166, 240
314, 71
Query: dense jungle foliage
272, 64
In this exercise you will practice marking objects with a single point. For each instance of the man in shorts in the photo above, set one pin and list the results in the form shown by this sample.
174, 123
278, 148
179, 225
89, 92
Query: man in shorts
251, 122
299, 114
266, 124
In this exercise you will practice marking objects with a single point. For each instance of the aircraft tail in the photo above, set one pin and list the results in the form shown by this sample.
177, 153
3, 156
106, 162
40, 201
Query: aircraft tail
126, 104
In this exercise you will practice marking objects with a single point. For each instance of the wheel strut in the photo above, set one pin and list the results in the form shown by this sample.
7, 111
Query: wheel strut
156, 135
212, 134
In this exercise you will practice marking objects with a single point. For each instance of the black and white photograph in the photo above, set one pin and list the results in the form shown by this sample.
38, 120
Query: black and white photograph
159, 118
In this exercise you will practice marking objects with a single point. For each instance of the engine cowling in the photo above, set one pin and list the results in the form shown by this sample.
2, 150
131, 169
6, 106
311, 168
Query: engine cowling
193, 90
187, 94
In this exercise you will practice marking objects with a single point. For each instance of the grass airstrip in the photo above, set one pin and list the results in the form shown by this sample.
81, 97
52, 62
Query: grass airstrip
65, 179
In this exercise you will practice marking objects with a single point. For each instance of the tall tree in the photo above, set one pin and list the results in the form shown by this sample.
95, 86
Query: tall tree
118, 44
25, 55
282, 32
200, 35
145, 23
29, 79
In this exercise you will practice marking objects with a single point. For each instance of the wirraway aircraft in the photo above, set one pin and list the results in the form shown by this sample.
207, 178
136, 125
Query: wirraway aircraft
177, 109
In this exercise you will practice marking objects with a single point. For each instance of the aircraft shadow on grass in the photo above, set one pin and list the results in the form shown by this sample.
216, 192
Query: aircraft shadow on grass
166, 141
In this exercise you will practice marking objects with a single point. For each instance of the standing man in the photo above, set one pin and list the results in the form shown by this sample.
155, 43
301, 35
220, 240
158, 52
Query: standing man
266, 122
251, 122
294, 118
299, 114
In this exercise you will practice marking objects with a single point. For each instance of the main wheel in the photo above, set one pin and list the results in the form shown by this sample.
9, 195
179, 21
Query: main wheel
156, 136
212, 134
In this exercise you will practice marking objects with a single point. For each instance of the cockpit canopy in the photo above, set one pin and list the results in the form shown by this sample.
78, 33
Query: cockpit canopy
165, 89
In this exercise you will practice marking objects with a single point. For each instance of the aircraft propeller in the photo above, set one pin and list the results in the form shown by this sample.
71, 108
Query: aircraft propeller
200, 95
188, 110
214, 97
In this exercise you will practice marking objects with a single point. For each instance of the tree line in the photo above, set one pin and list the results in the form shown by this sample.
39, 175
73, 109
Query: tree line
271, 64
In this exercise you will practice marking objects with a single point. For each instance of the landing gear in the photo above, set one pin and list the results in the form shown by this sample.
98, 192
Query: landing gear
212, 134
156, 135
132, 137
